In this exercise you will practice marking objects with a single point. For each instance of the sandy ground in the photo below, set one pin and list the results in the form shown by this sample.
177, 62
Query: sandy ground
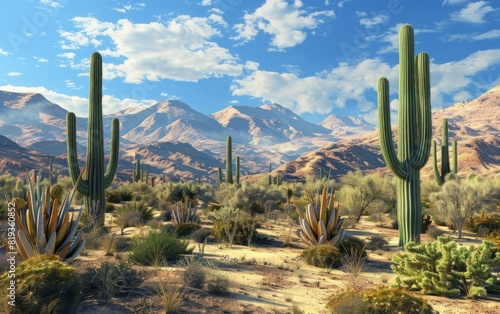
270, 277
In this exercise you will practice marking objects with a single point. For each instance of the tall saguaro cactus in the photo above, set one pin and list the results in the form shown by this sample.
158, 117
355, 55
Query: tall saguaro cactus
229, 160
94, 179
137, 171
445, 158
237, 170
414, 133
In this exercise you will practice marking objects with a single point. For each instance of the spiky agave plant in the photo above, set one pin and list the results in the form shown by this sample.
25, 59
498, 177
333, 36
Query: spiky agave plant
46, 226
320, 223
184, 214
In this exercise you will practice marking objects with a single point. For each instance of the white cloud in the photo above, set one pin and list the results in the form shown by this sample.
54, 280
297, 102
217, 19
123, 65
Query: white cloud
348, 84
372, 21
130, 7
462, 95
14, 74
79, 105
316, 94
206, 2
286, 23
474, 13
492, 34
3, 52
453, 77
40, 59
180, 49
52, 4
67, 55
452, 2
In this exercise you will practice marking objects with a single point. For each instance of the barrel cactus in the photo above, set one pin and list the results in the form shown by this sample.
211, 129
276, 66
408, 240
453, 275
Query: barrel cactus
320, 221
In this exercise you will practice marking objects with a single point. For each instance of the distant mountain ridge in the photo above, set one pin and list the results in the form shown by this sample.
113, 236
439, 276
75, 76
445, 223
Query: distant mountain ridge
173, 139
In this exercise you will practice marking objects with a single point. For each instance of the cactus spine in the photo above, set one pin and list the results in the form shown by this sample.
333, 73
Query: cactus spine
414, 133
445, 159
229, 160
237, 170
94, 180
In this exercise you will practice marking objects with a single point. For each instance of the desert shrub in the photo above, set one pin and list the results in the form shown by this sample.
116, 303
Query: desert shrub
125, 194
169, 229
347, 301
322, 255
147, 213
376, 243
107, 280
3, 211
242, 227
218, 284
44, 285
426, 222
109, 208
113, 196
443, 268
200, 235
127, 217
379, 300
350, 244
194, 276
185, 229
256, 208
434, 232
488, 221
156, 248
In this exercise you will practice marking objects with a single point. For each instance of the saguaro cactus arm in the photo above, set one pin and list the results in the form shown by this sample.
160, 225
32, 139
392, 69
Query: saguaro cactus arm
385, 132
109, 175
74, 169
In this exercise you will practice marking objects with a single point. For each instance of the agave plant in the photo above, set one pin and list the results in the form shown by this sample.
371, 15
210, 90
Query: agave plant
320, 223
184, 214
45, 225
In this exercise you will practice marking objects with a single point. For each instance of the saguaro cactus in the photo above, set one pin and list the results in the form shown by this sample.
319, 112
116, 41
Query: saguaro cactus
237, 170
94, 179
229, 160
137, 171
414, 133
445, 159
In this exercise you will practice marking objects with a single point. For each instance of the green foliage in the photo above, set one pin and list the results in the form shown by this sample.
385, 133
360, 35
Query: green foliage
492, 222
218, 284
322, 255
376, 243
350, 244
125, 194
127, 217
442, 268
242, 228
107, 280
113, 196
445, 161
44, 285
157, 248
44, 224
459, 200
414, 132
147, 213
200, 235
110, 208
195, 275
94, 179
379, 300
185, 229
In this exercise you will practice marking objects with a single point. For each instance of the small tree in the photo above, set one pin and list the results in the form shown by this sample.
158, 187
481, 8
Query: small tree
458, 200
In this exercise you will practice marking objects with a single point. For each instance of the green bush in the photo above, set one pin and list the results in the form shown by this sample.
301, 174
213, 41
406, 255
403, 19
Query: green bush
194, 276
44, 285
109, 208
434, 232
322, 255
350, 244
489, 221
376, 243
443, 268
107, 280
218, 284
200, 235
185, 229
113, 196
157, 248
125, 194
379, 300
147, 213
245, 227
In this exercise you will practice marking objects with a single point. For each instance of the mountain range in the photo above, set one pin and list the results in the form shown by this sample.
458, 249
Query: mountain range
173, 139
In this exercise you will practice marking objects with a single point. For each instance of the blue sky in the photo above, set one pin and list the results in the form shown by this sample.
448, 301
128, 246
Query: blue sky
314, 57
